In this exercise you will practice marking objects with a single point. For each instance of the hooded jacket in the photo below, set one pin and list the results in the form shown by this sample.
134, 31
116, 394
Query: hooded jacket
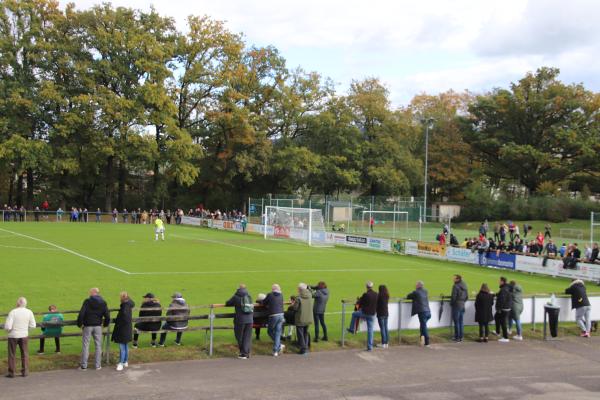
578, 294
321, 297
460, 294
179, 308
94, 312
273, 303
483, 307
123, 323
304, 308
504, 300
420, 302
149, 308
517, 297
237, 301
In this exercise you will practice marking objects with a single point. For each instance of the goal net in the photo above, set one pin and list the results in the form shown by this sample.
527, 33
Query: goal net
392, 224
302, 224
569, 233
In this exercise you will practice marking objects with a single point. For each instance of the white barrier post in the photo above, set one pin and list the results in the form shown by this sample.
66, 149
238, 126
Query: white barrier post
533, 313
399, 321
211, 319
343, 323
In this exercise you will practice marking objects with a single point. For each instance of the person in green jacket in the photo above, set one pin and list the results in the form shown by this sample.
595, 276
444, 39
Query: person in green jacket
516, 310
55, 320
304, 316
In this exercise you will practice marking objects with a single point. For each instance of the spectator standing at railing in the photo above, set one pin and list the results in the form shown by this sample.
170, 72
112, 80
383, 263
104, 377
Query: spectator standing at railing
22, 214
98, 215
115, 216
243, 320
593, 259
59, 214
273, 304
367, 308
516, 310
383, 298
483, 312
150, 308
420, 307
460, 294
125, 216
55, 319
133, 216
321, 296
581, 304
304, 317
504, 305
123, 329
18, 322
92, 317
551, 250
36, 214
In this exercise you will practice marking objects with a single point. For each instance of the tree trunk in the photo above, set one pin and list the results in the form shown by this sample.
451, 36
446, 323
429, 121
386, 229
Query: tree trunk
20, 190
108, 192
11, 187
122, 179
156, 177
29, 200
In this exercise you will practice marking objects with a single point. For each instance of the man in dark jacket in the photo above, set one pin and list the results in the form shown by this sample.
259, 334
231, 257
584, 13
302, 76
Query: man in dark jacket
504, 303
321, 296
581, 304
243, 320
367, 308
273, 304
178, 309
92, 317
150, 308
420, 307
460, 295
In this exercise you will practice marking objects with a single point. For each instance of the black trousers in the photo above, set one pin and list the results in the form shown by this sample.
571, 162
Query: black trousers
303, 338
163, 337
484, 329
320, 320
56, 342
243, 335
501, 318
137, 335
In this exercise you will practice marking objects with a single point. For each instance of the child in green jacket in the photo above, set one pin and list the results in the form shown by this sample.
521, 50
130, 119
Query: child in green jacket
53, 317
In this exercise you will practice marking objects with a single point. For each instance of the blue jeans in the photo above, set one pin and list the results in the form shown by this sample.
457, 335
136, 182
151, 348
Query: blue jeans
123, 353
383, 328
356, 315
423, 318
275, 329
517, 324
457, 320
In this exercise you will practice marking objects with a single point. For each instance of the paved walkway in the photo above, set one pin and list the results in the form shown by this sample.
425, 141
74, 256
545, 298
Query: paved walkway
568, 369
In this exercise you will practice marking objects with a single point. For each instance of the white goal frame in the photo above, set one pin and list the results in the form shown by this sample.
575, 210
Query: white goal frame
593, 223
292, 210
571, 233
371, 212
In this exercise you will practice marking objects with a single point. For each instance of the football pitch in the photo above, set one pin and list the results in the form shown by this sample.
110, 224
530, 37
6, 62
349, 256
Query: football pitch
56, 263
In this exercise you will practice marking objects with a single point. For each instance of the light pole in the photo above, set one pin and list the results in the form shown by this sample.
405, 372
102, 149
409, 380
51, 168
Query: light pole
428, 123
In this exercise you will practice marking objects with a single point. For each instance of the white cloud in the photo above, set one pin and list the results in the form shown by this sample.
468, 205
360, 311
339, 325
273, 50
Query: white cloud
431, 45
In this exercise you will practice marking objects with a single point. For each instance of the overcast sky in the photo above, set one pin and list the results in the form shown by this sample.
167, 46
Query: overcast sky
413, 46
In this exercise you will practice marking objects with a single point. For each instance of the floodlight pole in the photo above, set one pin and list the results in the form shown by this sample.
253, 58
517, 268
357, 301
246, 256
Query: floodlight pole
428, 122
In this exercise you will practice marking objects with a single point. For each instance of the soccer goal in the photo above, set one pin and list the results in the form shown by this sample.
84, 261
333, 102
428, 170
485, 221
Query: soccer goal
303, 224
569, 233
594, 224
386, 223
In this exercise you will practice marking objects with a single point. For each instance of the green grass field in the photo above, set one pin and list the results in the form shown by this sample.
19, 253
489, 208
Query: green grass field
56, 263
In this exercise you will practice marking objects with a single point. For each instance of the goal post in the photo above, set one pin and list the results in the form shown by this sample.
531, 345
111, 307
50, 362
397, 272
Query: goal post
302, 224
594, 224
394, 221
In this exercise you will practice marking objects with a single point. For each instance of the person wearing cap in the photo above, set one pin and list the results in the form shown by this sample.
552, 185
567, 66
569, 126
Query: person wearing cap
178, 309
367, 307
150, 309
304, 316
273, 304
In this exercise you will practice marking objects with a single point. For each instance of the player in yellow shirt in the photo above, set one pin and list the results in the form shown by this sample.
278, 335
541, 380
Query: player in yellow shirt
159, 227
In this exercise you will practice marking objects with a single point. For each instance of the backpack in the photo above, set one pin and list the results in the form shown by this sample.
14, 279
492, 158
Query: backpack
247, 305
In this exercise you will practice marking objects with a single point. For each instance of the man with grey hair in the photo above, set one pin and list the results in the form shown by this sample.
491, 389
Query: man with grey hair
17, 324
273, 304
92, 317
243, 320
367, 308
303, 305
420, 307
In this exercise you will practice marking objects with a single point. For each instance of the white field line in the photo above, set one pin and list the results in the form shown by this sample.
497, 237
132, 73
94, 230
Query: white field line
281, 271
217, 242
28, 248
68, 251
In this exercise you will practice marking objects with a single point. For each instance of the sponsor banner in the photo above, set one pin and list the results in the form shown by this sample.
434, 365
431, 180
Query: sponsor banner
411, 248
432, 250
356, 241
501, 260
461, 254
584, 271
185, 220
336, 238
535, 265
379, 244
281, 232
321, 237
298, 234
217, 223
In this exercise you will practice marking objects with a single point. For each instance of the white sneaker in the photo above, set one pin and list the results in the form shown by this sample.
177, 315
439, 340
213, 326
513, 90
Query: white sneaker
517, 337
276, 354
119, 367
502, 340
126, 364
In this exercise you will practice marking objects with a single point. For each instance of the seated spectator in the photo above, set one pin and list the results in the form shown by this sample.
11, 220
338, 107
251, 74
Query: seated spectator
551, 250
518, 246
573, 256
178, 308
54, 319
150, 308
563, 250
593, 258
453, 240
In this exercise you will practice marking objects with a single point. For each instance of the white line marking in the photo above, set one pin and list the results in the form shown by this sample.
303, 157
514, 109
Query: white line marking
271, 271
28, 248
68, 251
217, 242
